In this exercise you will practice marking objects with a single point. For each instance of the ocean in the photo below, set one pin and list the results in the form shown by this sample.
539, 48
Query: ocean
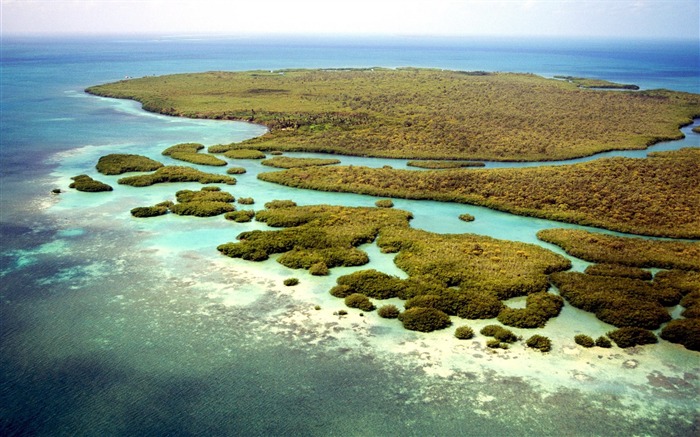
111, 325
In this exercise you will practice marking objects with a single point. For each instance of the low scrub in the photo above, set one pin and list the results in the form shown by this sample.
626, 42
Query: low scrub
119, 163
540, 342
632, 336
176, 174
424, 319
87, 184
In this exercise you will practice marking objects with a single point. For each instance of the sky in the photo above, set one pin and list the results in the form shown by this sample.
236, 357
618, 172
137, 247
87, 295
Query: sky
553, 18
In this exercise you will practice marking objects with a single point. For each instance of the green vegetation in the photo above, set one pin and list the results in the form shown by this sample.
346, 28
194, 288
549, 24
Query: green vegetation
373, 283
544, 344
209, 194
236, 170
86, 183
243, 216
149, 211
418, 113
696, 129
683, 331
388, 311
290, 282
618, 301
471, 262
198, 158
176, 174
286, 162
241, 153
464, 332
632, 336
618, 270
122, 163
435, 165
384, 203
539, 308
494, 343
685, 281
183, 147
202, 208
499, 333
636, 252
246, 200
584, 82
210, 201
319, 269
603, 341
466, 217
274, 204
655, 196
313, 234
584, 340
424, 319
359, 301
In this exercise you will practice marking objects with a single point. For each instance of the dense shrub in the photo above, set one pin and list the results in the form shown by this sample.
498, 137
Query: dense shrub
202, 208
87, 184
359, 301
683, 331
633, 252
183, 147
632, 336
242, 154
341, 291
603, 341
539, 308
424, 319
287, 162
373, 283
584, 340
243, 216
685, 281
618, 270
540, 342
246, 200
274, 204
149, 211
206, 194
445, 164
499, 333
319, 269
472, 262
494, 343
290, 282
464, 332
174, 173
384, 203
119, 163
236, 170
615, 300
388, 311
466, 217
198, 158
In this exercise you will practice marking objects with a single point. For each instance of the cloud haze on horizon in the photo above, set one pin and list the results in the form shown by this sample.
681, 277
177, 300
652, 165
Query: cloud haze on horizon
559, 18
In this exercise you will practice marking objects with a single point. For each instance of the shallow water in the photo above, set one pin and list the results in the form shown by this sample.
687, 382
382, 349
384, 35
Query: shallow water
113, 325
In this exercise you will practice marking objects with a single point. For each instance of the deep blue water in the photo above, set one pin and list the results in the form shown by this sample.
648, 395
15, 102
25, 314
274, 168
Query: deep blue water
105, 330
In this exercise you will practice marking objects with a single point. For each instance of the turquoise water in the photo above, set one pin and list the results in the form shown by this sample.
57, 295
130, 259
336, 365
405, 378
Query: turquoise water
116, 326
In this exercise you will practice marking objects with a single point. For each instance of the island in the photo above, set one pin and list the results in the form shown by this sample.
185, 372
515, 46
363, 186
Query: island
446, 123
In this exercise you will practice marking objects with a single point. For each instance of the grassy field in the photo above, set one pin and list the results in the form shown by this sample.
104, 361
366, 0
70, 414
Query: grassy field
418, 113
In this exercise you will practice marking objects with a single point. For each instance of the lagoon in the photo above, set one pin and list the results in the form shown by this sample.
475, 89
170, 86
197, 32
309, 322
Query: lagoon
119, 326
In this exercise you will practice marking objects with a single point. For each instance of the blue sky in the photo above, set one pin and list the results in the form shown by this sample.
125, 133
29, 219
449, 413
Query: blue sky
560, 18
